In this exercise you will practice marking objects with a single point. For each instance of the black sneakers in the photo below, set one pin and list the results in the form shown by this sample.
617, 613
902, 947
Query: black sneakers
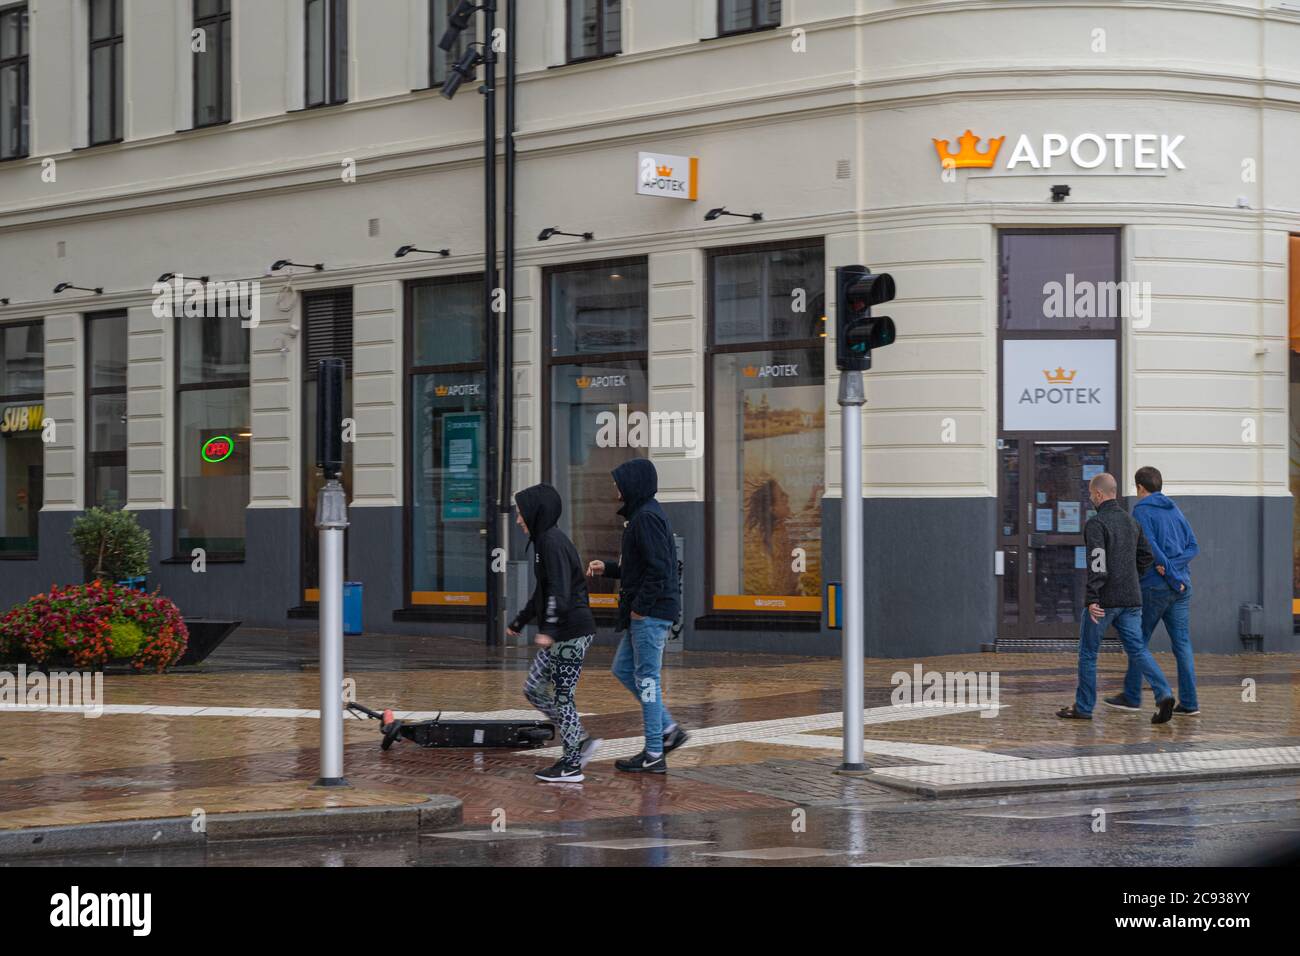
1119, 702
641, 763
561, 772
1165, 711
674, 739
1183, 710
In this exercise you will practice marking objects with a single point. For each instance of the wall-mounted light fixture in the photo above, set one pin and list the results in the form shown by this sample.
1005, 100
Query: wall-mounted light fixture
281, 263
405, 251
1059, 193
713, 214
168, 276
62, 286
546, 234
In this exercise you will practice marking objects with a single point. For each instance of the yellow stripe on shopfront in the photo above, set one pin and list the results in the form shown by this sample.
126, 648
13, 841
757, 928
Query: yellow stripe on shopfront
765, 602
604, 600
449, 598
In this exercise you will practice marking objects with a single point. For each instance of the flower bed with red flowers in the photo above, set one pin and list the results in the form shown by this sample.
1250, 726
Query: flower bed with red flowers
78, 623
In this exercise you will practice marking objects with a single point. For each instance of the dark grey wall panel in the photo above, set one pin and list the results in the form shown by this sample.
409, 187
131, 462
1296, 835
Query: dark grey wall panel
928, 563
1236, 534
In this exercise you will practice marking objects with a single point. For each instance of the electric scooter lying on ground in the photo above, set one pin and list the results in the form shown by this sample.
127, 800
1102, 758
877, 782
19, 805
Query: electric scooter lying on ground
521, 734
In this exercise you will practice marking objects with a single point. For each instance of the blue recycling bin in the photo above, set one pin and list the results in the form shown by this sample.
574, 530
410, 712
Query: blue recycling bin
352, 591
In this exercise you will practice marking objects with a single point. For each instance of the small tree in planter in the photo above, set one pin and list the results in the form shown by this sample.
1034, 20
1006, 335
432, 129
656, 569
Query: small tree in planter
111, 544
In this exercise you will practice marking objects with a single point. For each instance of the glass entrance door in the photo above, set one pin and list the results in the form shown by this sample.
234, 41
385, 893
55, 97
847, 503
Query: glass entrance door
1044, 505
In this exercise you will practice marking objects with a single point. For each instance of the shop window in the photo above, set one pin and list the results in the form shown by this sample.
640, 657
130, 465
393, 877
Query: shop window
212, 66
106, 69
328, 335
595, 28
596, 392
22, 397
214, 435
327, 52
745, 16
447, 445
106, 410
768, 409
14, 82
1059, 281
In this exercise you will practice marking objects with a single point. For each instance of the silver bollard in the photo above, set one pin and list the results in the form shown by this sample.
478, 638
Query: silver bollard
852, 397
331, 519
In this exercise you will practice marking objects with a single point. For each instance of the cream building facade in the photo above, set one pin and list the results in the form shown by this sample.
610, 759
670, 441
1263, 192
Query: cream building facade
826, 124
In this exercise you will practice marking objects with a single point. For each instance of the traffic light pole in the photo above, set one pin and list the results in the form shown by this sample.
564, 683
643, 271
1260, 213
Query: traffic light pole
852, 397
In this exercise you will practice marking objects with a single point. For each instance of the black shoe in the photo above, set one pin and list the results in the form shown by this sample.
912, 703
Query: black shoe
1069, 713
642, 764
1166, 711
1183, 711
561, 772
1119, 702
587, 748
674, 739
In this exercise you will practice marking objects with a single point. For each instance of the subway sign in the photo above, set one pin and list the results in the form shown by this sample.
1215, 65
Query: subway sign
22, 418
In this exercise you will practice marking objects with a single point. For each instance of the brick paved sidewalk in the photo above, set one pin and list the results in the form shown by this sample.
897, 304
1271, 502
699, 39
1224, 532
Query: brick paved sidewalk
249, 751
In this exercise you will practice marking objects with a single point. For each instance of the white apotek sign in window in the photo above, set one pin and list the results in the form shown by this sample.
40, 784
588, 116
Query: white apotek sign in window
1058, 385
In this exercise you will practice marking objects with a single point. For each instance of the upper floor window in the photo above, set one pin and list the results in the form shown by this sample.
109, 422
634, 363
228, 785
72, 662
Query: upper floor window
440, 61
212, 63
743, 16
327, 52
13, 82
595, 28
106, 99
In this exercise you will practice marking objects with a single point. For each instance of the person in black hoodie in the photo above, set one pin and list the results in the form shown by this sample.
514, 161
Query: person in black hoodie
648, 603
565, 628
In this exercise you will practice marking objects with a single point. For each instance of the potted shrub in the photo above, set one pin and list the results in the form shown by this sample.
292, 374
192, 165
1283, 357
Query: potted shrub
111, 544
93, 625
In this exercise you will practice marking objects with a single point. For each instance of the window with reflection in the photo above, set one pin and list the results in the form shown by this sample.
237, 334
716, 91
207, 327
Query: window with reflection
596, 391
22, 453
106, 409
447, 443
768, 419
214, 435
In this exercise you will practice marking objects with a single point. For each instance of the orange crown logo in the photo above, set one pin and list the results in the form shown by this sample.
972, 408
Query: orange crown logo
968, 156
664, 171
583, 382
1060, 376
441, 391
750, 371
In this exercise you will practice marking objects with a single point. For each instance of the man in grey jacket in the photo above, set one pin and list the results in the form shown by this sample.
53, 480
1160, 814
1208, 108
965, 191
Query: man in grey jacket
1118, 554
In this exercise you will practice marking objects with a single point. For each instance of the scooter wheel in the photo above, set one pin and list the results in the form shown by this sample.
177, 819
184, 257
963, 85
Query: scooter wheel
391, 733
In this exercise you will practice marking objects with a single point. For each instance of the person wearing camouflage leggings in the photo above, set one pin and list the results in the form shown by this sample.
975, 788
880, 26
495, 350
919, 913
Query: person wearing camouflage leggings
560, 665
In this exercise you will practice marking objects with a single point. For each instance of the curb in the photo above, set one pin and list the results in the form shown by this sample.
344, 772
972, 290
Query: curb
436, 813
947, 790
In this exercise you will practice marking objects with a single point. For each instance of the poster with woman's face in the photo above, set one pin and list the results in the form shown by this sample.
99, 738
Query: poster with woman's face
783, 480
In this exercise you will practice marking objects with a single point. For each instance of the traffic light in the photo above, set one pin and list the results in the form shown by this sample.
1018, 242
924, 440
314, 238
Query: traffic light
857, 331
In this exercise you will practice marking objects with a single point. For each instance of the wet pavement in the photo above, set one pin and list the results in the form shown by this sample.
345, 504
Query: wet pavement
239, 733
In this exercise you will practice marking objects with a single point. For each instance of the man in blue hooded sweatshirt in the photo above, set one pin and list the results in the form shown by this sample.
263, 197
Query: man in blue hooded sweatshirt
1166, 590
648, 603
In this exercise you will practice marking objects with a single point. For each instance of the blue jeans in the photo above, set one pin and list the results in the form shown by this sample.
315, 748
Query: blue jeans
636, 665
1162, 603
1128, 621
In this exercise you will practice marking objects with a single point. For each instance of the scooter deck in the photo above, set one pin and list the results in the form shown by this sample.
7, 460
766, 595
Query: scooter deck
519, 734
